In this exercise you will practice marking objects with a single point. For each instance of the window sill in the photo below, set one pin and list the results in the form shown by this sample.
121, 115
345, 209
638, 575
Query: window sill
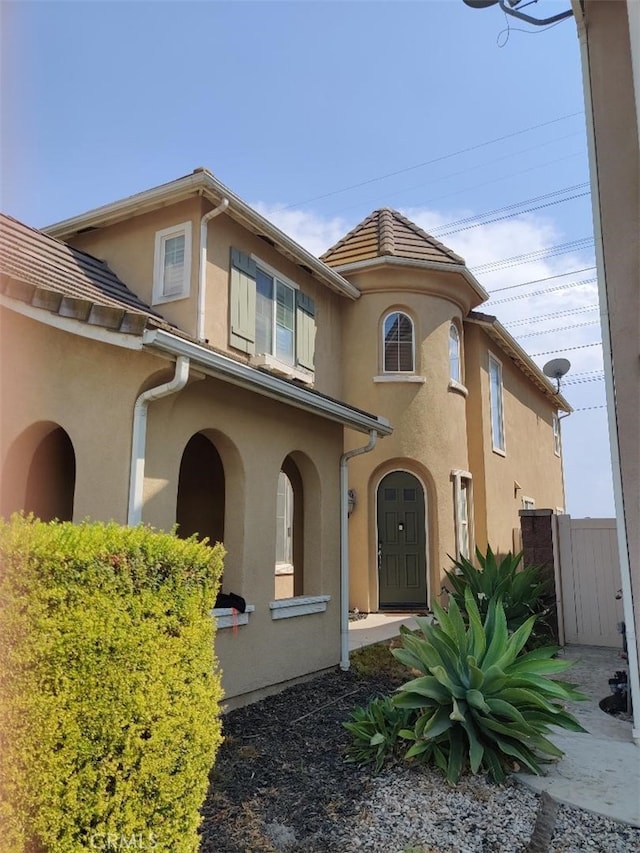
400, 377
157, 299
280, 368
301, 605
458, 388
226, 617
499, 452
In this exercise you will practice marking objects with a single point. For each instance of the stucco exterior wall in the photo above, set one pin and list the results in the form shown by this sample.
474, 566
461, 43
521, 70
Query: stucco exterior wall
529, 466
429, 419
89, 389
128, 248
611, 63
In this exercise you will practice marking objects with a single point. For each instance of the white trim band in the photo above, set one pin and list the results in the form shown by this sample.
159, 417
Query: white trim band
301, 605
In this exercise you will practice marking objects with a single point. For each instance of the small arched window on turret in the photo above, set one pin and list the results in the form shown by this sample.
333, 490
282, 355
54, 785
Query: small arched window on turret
455, 368
398, 343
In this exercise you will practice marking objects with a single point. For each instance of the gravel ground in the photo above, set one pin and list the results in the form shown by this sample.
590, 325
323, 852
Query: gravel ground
281, 784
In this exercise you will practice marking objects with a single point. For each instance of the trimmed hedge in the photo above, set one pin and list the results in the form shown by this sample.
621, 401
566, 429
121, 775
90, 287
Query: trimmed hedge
109, 689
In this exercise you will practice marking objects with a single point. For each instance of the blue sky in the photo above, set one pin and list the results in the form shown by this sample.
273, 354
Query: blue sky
319, 112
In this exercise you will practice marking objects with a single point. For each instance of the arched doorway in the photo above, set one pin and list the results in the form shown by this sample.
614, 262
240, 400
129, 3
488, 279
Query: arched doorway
201, 491
402, 539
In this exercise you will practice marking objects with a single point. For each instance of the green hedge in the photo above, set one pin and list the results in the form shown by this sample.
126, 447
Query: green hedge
109, 689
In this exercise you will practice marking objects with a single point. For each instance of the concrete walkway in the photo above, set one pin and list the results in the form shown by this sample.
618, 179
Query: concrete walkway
600, 771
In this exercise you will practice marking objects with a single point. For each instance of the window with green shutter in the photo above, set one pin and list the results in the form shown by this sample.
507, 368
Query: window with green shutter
270, 316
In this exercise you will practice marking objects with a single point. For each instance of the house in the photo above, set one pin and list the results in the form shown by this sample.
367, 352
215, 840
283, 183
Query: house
609, 36
476, 431
173, 357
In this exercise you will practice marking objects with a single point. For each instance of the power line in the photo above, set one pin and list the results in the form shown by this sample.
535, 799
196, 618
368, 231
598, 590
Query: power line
565, 349
512, 206
512, 215
540, 317
544, 291
560, 329
529, 257
433, 160
590, 408
538, 280
582, 381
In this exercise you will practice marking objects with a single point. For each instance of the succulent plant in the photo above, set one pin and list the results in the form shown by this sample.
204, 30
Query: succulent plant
481, 704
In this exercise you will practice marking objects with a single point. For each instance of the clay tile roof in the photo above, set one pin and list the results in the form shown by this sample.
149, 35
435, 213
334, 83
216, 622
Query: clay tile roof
387, 233
49, 274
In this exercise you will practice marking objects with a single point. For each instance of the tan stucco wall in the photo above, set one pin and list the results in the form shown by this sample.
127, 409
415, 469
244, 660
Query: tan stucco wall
429, 421
615, 165
128, 248
86, 387
89, 389
529, 459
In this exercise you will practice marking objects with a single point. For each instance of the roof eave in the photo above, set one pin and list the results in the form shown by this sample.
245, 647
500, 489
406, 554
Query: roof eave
265, 384
202, 182
438, 266
501, 336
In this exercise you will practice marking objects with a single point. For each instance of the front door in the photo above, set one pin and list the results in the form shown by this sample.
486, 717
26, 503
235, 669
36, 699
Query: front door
402, 563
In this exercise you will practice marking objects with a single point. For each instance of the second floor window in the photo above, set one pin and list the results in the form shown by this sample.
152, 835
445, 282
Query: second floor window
497, 412
454, 354
172, 263
268, 315
398, 343
275, 317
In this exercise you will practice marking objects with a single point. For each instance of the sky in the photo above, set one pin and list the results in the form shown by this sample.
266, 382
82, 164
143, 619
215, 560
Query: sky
316, 114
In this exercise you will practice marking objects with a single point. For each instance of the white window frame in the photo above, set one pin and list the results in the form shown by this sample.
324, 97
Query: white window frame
458, 477
557, 445
399, 373
183, 229
277, 278
496, 405
459, 379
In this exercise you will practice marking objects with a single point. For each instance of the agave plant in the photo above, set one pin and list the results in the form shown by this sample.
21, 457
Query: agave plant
375, 729
480, 703
524, 591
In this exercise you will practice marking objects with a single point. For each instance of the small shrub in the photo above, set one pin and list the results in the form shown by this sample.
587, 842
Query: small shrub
480, 703
524, 591
375, 729
109, 694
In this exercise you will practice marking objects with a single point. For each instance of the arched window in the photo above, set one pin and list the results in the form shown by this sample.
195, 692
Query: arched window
455, 371
398, 347
289, 532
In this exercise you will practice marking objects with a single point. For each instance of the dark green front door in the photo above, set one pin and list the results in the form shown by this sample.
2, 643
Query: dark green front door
402, 565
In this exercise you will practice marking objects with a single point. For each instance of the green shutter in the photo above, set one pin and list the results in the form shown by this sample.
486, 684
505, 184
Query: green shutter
305, 331
242, 302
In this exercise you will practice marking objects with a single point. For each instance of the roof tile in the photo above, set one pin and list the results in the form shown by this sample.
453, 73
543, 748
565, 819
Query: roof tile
387, 233
50, 274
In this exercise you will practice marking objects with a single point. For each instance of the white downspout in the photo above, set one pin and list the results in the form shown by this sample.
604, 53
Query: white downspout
609, 383
202, 272
344, 547
139, 436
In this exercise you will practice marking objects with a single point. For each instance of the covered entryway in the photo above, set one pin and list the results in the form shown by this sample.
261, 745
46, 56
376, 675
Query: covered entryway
201, 491
402, 562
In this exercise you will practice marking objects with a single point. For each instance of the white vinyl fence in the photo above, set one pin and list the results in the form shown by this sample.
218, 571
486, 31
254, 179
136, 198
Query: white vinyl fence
590, 577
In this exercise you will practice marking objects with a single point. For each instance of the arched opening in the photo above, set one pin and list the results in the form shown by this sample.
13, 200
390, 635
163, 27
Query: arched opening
289, 566
402, 540
51, 478
201, 491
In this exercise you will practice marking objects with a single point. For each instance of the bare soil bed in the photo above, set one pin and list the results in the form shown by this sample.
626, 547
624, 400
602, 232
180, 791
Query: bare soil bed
281, 783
